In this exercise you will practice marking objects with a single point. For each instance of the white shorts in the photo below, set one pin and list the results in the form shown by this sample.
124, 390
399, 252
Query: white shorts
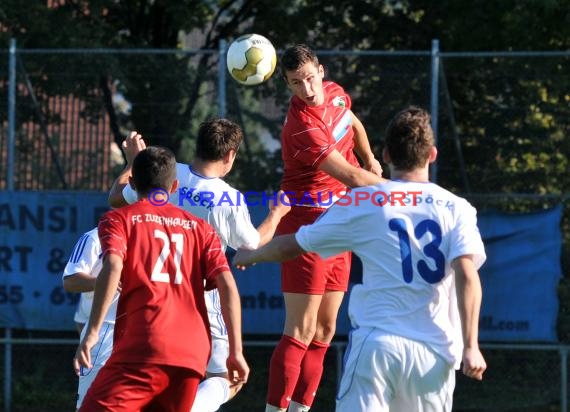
219, 356
99, 355
220, 347
384, 373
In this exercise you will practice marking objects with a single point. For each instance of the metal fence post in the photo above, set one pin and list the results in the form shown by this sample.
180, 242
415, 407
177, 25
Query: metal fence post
564, 378
8, 370
11, 115
222, 78
10, 186
434, 104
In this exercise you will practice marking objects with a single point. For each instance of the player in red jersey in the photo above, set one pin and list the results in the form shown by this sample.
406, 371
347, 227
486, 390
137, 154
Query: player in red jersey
164, 258
319, 138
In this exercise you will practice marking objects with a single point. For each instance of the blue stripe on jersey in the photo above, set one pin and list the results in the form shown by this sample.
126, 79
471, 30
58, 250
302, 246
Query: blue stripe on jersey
342, 126
78, 250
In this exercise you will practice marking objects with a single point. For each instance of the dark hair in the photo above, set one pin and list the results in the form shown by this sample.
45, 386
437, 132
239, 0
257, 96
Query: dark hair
409, 138
295, 57
216, 138
153, 168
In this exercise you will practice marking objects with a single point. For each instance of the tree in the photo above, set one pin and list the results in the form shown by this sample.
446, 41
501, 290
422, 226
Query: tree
170, 93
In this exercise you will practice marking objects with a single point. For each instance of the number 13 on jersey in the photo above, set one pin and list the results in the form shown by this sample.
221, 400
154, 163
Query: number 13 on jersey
431, 251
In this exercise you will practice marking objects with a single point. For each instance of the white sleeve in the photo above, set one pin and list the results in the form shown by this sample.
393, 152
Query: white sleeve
465, 237
242, 233
84, 256
331, 233
129, 194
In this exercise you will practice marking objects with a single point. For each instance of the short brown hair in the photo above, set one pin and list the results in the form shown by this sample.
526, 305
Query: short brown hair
295, 57
216, 137
153, 168
409, 138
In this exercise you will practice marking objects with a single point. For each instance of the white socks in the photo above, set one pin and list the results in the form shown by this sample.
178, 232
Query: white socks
212, 393
271, 408
297, 407
293, 407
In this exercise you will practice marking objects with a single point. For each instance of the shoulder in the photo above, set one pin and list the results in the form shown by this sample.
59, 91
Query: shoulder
219, 185
122, 214
92, 234
459, 206
333, 88
177, 212
336, 95
116, 213
223, 195
182, 170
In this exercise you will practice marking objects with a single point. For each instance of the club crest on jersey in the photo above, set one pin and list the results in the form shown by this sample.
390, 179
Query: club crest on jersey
339, 101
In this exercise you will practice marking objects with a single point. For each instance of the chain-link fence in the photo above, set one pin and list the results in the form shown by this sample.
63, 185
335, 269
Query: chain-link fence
501, 118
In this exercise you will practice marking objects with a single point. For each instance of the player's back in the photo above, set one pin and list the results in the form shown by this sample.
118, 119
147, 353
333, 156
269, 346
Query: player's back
221, 205
407, 235
168, 254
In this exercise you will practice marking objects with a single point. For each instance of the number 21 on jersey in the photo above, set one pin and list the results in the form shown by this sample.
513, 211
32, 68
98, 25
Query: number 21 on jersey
430, 250
157, 274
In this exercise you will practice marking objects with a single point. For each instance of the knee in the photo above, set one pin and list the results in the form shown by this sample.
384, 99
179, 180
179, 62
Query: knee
307, 333
302, 331
325, 331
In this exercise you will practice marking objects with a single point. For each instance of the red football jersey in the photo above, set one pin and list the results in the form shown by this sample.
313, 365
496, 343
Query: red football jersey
168, 256
309, 135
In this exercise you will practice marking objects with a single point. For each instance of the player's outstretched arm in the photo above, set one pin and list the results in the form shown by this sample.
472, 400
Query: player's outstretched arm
339, 168
362, 147
105, 288
469, 295
279, 249
238, 369
132, 145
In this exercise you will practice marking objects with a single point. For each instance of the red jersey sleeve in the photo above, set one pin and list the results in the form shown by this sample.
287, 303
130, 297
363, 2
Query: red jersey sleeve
112, 234
215, 258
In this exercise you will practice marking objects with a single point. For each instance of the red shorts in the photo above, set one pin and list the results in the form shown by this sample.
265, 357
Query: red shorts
309, 273
129, 387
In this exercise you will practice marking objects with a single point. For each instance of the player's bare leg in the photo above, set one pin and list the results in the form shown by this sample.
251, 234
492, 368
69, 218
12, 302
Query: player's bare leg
327, 315
302, 312
313, 362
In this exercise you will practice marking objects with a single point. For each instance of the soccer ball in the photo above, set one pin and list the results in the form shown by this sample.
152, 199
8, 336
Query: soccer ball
251, 59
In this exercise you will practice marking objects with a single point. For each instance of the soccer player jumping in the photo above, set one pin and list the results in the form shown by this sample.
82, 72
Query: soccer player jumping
319, 138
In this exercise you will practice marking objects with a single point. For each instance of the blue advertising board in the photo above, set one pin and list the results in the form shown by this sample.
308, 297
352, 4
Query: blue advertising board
39, 229
37, 232
521, 275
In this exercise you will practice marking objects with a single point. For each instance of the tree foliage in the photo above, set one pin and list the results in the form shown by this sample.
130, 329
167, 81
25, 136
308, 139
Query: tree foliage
166, 89
503, 121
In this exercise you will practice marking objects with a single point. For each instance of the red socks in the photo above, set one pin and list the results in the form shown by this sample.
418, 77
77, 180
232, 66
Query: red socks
311, 373
284, 370
295, 372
